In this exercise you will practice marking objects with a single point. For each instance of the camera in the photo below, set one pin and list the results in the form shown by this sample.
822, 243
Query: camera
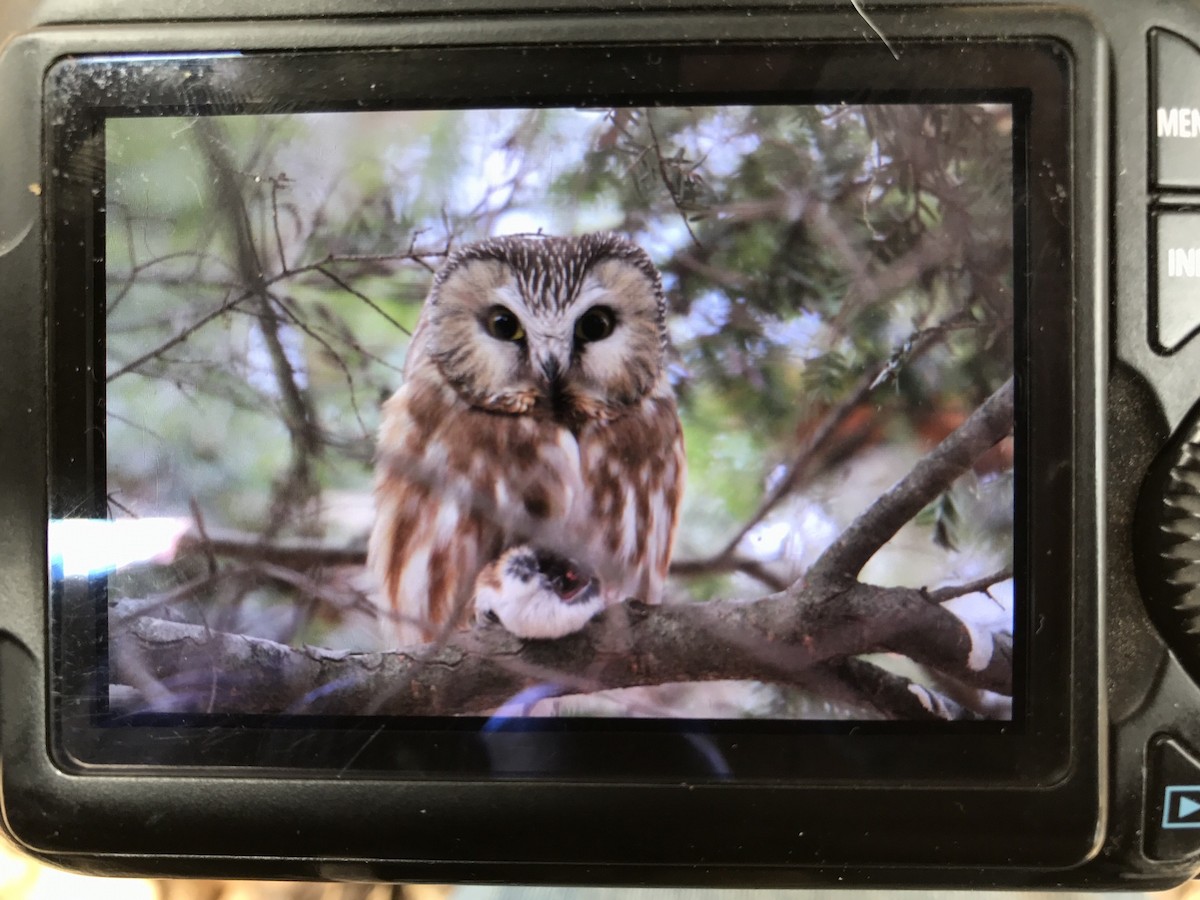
650, 443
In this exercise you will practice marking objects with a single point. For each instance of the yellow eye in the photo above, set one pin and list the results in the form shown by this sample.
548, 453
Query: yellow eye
595, 325
503, 324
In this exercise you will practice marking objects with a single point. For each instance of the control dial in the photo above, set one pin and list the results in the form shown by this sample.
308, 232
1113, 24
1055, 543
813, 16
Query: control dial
1168, 544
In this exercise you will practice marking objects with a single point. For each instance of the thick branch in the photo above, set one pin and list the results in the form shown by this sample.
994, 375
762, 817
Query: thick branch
776, 639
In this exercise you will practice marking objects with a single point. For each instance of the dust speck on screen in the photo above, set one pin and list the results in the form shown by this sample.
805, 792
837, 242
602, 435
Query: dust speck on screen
655, 413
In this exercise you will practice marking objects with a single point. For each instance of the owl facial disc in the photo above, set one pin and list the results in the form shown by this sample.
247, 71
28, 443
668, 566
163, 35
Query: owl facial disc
569, 328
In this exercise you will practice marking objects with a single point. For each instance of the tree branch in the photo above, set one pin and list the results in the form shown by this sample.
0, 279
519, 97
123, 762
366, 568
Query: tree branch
728, 562
666, 179
846, 556
225, 306
295, 553
777, 639
898, 697
942, 594
299, 413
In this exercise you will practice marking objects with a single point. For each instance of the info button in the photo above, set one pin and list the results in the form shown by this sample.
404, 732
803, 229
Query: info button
1177, 280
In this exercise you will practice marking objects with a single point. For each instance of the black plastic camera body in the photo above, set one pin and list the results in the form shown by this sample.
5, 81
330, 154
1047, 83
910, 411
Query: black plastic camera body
1094, 780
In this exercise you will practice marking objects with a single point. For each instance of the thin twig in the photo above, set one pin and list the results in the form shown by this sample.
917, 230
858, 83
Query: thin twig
225, 306
666, 178
942, 594
361, 296
282, 303
205, 543
276, 182
715, 565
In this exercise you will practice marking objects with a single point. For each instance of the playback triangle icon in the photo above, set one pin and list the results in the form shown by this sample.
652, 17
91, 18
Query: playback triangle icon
1182, 806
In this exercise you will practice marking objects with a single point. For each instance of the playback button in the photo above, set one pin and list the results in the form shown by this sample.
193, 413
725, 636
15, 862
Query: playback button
1172, 800
1181, 806
1176, 290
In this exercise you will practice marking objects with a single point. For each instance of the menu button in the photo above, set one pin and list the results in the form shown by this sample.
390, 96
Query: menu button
1175, 111
1177, 122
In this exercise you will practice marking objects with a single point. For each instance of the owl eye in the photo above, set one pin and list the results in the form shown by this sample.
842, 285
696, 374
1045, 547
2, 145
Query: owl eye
503, 324
595, 325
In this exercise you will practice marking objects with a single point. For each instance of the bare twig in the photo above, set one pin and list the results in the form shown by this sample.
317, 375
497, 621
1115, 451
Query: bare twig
715, 565
205, 543
225, 306
277, 182
942, 594
131, 277
324, 270
298, 554
295, 319
666, 179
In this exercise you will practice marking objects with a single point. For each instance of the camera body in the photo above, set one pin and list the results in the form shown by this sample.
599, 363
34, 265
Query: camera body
1094, 780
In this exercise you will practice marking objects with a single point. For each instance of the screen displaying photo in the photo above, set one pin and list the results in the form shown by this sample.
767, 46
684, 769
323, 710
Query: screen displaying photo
701, 413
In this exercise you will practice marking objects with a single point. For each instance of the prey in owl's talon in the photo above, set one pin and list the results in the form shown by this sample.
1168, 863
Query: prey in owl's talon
535, 594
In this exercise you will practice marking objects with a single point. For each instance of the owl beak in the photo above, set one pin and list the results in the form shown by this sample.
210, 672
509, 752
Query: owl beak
552, 368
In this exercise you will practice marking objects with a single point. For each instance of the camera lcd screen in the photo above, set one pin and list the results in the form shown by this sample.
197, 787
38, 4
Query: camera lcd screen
677, 412
836, 303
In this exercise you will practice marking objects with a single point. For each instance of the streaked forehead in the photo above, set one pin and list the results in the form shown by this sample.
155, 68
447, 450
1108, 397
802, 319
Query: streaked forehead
549, 272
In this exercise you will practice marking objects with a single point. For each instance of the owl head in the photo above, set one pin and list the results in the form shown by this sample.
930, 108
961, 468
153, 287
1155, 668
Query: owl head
571, 327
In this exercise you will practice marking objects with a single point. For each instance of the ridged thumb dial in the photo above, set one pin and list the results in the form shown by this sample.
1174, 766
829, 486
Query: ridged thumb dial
1168, 535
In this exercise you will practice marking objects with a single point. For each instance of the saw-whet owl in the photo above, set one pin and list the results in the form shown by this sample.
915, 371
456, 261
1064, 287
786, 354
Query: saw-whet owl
535, 410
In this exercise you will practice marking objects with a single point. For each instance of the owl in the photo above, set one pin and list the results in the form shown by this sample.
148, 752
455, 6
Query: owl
535, 410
